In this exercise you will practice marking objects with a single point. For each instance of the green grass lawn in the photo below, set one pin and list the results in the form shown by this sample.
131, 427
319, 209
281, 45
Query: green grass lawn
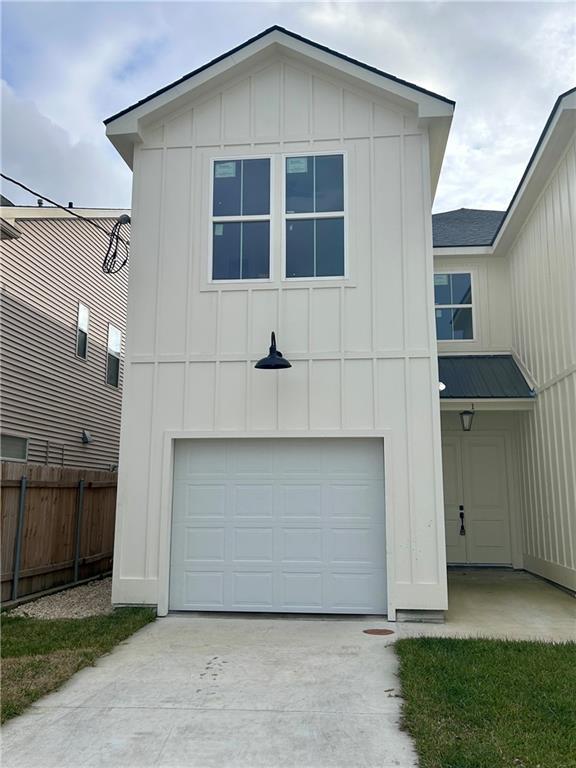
489, 703
39, 655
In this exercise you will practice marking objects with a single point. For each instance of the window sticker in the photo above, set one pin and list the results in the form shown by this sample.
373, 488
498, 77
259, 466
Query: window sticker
441, 279
297, 165
225, 170
218, 230
439, 313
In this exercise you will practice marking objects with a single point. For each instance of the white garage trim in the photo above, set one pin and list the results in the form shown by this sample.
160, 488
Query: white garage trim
165, 531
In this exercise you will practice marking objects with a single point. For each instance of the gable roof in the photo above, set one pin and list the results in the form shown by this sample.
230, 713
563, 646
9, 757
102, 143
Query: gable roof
294, 36
469, 377
124, 129
465, 227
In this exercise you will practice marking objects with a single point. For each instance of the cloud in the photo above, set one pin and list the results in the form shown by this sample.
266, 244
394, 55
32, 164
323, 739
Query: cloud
43, 154
70, 65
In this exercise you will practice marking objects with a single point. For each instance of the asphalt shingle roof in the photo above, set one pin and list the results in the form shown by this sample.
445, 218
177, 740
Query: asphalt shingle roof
481, 376
465, 227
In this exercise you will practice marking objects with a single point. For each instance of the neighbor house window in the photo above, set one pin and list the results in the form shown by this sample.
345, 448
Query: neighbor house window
13, 448
82, 330
241, 219
113, 356
453, 300
314, 216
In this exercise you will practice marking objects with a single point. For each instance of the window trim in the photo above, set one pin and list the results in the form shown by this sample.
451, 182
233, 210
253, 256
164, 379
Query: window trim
78, 305
21, 437
311, 215
108, 353
472, 306
227, 219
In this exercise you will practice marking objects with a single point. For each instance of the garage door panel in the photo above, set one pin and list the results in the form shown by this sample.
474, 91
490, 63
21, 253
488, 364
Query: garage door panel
253, 500
286, 527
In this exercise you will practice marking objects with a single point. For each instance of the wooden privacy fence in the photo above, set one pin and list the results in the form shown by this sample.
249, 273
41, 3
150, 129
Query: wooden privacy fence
57, 526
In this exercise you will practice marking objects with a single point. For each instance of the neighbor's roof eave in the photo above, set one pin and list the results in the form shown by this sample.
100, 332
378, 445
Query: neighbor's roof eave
295, 36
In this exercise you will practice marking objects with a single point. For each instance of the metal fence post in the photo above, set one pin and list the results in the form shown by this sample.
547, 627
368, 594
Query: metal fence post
18, 541
79, 509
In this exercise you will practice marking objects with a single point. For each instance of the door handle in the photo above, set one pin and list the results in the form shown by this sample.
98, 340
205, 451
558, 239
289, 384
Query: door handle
461, 515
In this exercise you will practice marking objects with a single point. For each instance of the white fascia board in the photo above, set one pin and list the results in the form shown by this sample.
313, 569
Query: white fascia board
488, 404
124, 130
552, 146
464, 251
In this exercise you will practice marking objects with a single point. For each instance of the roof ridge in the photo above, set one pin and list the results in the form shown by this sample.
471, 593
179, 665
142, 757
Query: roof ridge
295, 36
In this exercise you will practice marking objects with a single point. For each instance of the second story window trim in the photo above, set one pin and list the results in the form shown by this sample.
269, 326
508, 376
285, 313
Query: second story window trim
82, 330
241, 204
454, 306
322, 222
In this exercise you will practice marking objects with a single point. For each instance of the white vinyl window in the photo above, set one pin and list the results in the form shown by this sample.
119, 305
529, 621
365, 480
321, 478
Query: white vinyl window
241, 219
453, 306
314, 216
13, 448
113, 356
82, 323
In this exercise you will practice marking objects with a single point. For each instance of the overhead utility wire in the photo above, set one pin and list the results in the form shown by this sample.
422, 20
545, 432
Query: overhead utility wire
110, 263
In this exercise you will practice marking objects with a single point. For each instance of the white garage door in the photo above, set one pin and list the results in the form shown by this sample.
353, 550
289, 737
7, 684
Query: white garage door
285, 525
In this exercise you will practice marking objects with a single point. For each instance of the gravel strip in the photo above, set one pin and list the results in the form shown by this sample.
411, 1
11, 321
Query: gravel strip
92, 599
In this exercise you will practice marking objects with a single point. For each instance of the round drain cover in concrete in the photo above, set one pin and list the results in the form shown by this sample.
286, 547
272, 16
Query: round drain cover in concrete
378, 631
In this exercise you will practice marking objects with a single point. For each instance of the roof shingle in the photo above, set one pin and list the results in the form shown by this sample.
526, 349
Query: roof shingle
465, 227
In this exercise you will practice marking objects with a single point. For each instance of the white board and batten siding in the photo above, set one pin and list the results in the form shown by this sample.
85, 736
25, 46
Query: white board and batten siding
362, 349
543, 285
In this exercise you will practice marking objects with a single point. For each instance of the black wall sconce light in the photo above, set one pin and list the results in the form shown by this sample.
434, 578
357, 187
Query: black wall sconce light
274, 361
466, 418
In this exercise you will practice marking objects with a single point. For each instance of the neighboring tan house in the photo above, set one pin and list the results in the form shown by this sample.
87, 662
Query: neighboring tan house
285, 187
63, 324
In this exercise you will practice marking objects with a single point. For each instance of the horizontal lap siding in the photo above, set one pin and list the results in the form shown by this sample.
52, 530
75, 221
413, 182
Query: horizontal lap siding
543, 277
48, 394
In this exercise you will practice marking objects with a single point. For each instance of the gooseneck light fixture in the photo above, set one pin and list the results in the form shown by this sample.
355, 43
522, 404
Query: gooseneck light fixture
274, 360
466, 418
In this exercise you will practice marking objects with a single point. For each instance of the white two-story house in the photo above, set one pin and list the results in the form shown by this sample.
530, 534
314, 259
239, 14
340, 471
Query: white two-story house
286, 188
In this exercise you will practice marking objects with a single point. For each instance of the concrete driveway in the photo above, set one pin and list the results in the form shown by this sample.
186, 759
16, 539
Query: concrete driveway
226, 692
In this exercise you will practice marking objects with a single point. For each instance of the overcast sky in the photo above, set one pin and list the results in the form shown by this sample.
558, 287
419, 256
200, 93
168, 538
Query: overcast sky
67, 66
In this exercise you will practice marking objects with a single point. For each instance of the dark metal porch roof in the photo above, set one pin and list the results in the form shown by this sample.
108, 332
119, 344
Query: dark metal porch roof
470, 377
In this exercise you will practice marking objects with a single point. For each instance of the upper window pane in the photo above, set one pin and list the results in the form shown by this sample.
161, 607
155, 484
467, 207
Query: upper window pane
314, 184
299, 184
329, 183
241, 187
114, 340
256, 187
461, 289
452, 288
82, 330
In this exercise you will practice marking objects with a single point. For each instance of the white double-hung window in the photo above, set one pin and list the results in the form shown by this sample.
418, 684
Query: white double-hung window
241, 219
453, 300
314, 216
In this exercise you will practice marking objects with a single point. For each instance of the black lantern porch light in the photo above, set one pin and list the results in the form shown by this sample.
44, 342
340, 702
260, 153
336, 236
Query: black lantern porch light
274, 361
466, 418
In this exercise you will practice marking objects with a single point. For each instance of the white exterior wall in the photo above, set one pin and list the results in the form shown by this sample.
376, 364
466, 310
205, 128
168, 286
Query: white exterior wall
491, 309
543, 279
363, 350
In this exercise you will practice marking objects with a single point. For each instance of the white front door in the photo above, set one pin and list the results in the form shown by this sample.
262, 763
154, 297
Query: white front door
476, 503
284, 525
